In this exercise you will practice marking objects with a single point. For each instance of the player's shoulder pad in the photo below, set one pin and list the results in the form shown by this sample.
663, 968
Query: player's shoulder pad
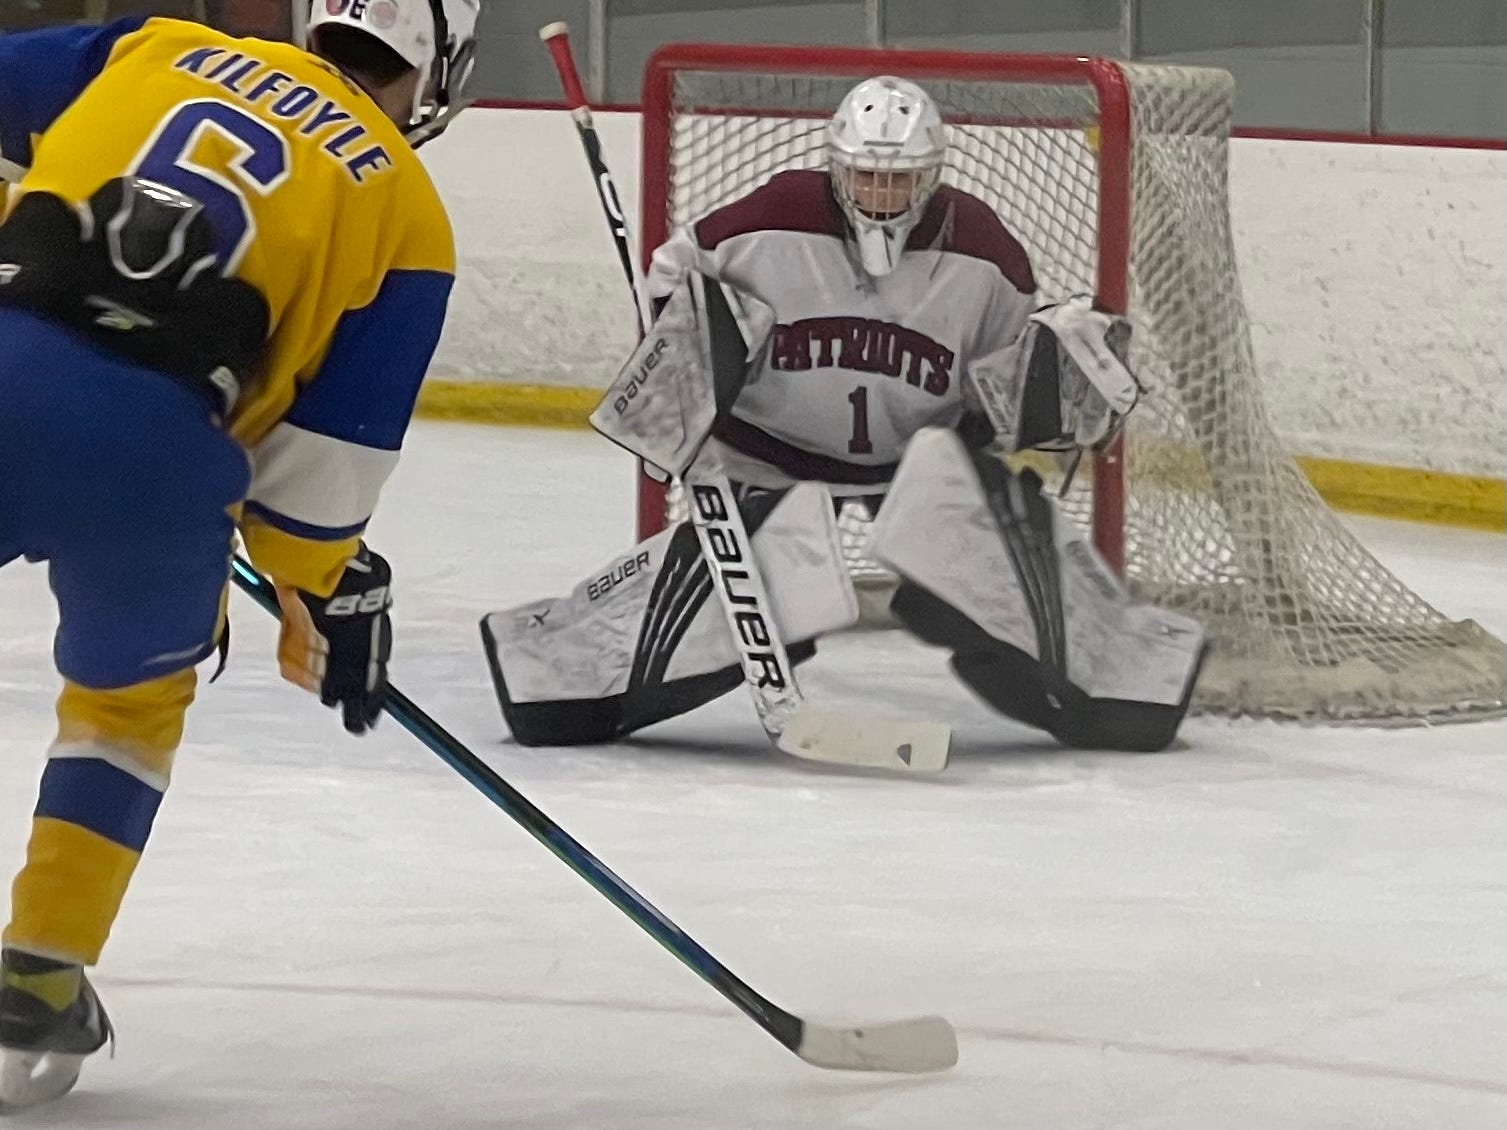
428, 243
961, 223
797, 200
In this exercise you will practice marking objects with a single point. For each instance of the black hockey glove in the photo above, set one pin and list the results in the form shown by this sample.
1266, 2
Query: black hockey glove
338, 646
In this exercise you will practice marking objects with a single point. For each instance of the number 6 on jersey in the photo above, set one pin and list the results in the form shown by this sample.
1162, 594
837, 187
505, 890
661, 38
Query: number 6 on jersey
261, 164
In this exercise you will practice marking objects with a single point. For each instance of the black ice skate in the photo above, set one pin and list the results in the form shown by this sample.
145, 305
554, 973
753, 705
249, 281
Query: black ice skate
50, 1020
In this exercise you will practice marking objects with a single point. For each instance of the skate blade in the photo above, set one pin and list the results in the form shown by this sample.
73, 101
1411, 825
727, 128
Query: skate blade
31, 1078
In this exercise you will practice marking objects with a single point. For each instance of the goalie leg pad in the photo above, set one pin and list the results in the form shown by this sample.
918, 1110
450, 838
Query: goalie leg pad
645, 639
1038, 626
593, 721
1010, 681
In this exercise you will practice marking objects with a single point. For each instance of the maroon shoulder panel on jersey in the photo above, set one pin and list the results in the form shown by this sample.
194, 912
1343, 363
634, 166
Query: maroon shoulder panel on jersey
797, 200
963, 224
801, 200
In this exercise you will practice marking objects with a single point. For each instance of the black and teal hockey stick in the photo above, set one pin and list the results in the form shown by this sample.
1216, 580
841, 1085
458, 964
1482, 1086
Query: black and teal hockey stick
917, 1045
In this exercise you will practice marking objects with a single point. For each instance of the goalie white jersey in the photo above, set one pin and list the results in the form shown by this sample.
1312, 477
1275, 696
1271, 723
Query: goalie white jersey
856, 365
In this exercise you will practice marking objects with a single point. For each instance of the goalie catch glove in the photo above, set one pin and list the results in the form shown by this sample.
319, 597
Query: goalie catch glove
1063, 383
337, 646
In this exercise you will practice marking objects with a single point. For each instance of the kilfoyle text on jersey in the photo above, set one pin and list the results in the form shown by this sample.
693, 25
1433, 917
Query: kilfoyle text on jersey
254, 82
864, 345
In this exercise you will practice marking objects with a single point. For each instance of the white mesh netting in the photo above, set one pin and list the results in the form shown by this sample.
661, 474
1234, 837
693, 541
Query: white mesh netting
1220, 523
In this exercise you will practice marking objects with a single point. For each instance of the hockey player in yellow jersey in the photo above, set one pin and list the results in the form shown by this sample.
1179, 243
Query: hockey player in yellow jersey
223, 272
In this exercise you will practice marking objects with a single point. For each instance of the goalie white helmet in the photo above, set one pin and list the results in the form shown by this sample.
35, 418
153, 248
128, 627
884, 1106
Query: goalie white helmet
412, 28
885, 147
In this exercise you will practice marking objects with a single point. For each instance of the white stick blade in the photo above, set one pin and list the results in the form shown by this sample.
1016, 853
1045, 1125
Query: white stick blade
924, 1044
874, 743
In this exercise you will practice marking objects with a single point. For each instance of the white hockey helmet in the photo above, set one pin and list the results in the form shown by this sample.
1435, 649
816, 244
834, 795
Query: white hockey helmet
885, 147
412, 28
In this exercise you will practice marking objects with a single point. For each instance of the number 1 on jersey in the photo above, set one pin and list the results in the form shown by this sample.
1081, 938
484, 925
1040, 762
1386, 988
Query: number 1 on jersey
859, 444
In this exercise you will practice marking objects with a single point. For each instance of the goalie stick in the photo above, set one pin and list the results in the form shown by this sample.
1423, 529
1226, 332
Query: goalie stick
556, 37
921, 1044
795, 727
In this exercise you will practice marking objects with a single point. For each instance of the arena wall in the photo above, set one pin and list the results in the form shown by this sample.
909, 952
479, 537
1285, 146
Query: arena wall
1375, 276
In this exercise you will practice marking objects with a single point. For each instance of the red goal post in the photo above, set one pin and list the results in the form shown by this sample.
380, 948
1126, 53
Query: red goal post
1115, 177
661, 108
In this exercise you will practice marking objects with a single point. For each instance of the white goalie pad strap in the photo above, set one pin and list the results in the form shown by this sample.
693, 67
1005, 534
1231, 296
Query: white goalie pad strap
588, 644
690, 365
1095, 387
937, 529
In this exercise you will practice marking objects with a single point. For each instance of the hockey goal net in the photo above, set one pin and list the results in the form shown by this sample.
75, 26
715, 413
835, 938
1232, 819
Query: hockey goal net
1113, 175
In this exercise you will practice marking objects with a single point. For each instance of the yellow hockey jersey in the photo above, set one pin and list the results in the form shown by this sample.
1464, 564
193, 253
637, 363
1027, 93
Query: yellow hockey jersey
316, 200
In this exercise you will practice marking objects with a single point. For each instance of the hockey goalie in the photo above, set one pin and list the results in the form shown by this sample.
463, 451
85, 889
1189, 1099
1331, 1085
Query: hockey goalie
863, 331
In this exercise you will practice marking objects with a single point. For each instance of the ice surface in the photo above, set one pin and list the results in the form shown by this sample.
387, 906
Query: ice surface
1266, 927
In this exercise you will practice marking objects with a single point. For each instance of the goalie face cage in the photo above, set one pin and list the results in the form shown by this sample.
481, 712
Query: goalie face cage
1114, 177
